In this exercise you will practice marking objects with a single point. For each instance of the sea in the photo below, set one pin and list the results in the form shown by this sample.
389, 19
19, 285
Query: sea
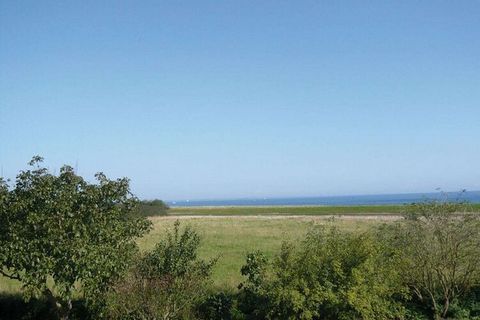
373, 199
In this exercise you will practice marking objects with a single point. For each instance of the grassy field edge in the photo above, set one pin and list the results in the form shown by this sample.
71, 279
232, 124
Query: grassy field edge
292, 210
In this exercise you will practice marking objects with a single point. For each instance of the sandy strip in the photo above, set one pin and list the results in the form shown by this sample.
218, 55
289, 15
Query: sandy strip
378, 217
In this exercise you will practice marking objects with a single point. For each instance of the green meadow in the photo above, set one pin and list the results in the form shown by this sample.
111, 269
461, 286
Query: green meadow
286, 210
230, 238
229, 233
294, 210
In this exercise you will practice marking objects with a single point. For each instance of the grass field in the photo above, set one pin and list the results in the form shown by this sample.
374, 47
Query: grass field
231, 238
285, 210
293, 210
229, 233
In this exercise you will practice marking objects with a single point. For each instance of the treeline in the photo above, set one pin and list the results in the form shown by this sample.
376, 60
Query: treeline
72, 245
152, 208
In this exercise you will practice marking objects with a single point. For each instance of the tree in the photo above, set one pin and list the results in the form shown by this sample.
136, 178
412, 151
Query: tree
57, 231
439, 246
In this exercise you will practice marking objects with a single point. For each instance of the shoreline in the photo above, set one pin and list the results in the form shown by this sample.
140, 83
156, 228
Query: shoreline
376, 217
267, 206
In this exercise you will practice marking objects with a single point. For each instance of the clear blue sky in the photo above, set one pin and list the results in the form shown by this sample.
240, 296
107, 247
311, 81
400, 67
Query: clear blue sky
222, 99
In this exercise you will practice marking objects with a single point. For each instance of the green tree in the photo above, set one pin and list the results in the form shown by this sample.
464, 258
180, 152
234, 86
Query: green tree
59, 231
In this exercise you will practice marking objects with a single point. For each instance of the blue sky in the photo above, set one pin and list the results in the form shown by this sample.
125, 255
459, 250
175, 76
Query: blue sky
226, 99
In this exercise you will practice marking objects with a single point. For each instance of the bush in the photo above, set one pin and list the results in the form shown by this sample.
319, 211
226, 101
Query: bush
152, 208
217, 306
330, 275
438, 244
167, 282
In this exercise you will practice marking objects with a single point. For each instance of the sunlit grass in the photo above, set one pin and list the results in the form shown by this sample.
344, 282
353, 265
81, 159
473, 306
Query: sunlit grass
286, 210
230, 239
295, 210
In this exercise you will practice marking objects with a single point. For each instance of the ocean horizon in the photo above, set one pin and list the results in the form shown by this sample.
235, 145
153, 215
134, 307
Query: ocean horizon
373, 199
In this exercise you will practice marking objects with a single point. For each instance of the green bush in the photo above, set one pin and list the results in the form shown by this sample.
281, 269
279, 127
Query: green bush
330, 275
167, 282
152, 208
217, 306
438, 245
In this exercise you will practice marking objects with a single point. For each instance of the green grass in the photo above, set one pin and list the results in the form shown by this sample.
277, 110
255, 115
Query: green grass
286, 210
293, 210
8, 285
230, 239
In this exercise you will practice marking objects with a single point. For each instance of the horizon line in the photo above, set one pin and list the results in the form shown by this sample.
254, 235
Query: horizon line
323, 196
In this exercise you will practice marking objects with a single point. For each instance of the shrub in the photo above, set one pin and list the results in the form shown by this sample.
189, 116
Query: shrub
330, 275
217, 306
439, 246
167, 282
152, 208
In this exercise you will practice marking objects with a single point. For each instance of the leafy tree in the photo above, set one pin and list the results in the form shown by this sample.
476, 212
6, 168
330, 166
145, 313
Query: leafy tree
59, 231
439, 246
167, 282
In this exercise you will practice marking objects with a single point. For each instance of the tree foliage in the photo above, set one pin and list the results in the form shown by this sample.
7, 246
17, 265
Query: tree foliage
57, 231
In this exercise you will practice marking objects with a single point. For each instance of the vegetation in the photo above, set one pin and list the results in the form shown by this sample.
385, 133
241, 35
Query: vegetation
439, 253
75, 247
266, 235
329, 275
427, 266
296, 210
167, 282
152, 208
230, 239
287, 210
60, 231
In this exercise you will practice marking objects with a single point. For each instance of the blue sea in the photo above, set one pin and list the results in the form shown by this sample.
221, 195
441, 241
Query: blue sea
378, 199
